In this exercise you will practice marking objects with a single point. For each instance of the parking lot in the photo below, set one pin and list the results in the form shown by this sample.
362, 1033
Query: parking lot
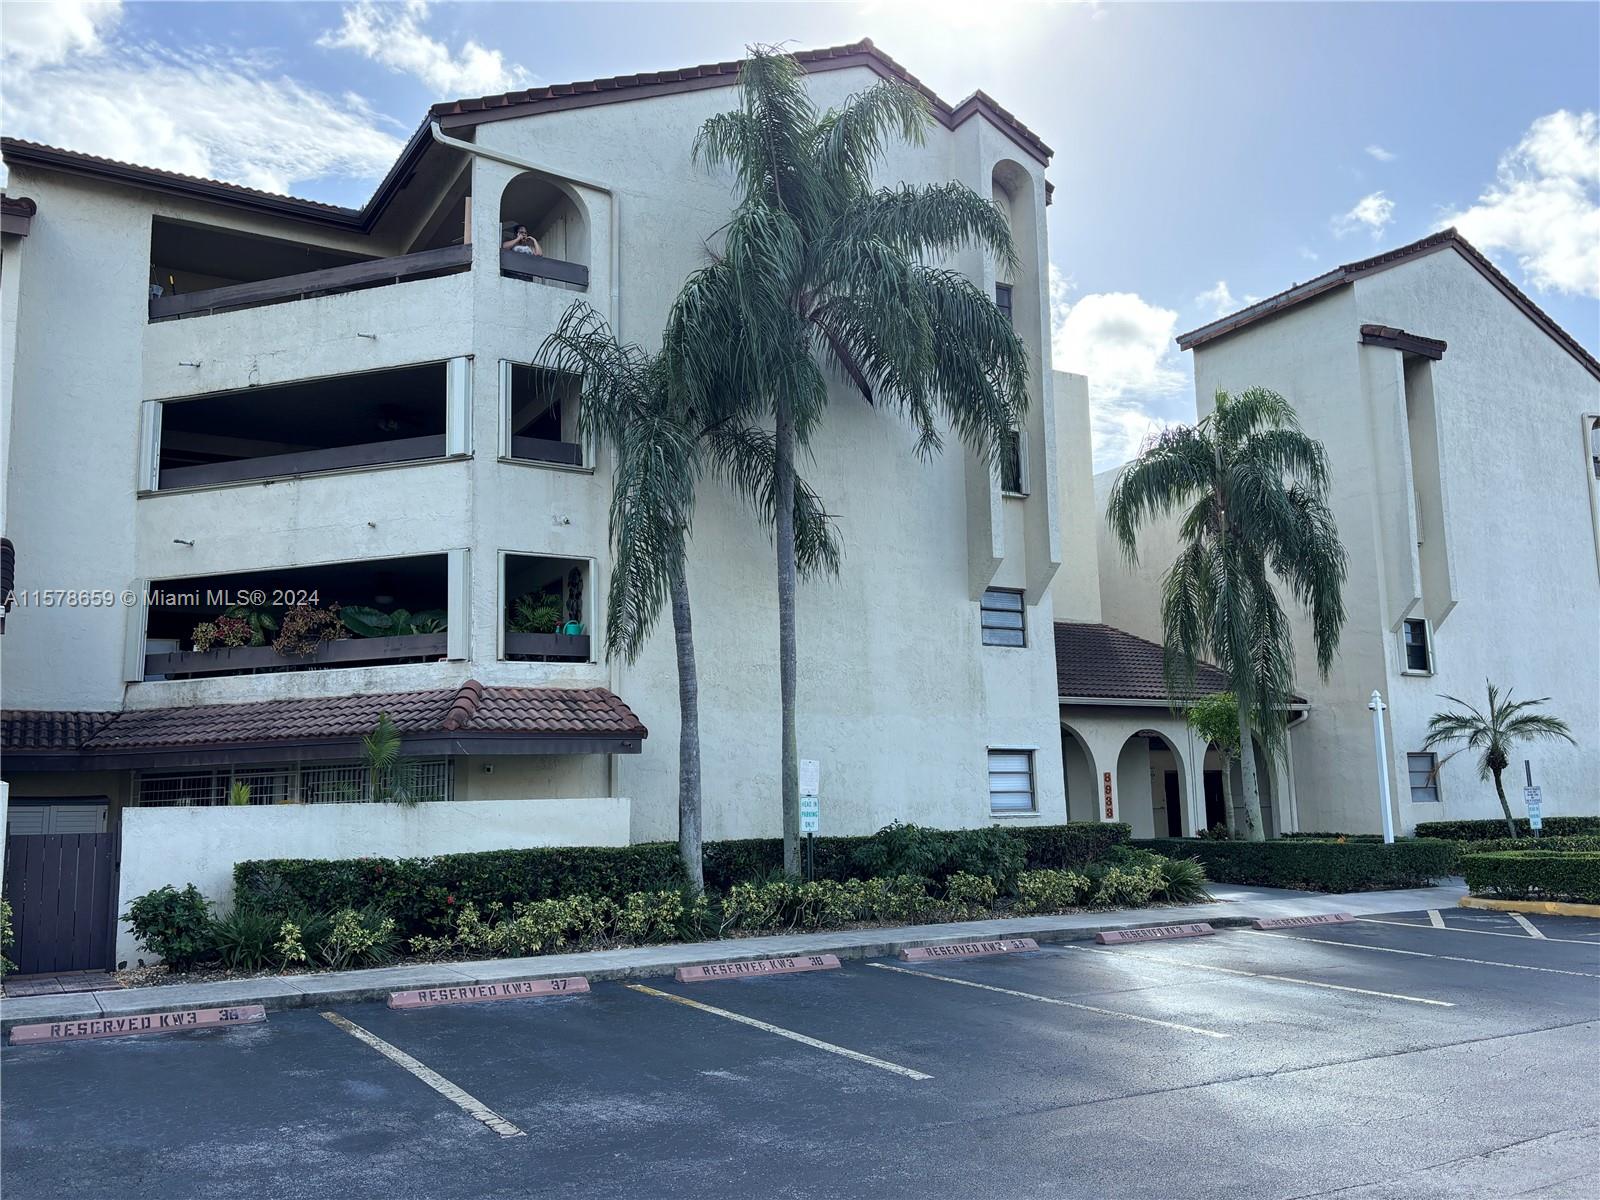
1412, 1054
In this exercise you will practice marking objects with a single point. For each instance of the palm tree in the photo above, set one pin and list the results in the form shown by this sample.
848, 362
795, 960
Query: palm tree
659, 449
1493, 733
1252, 487
820, 272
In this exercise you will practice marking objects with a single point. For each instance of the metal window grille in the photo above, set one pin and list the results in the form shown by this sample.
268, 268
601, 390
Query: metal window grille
1003, 618
1424, 783
1010, 781
338, 783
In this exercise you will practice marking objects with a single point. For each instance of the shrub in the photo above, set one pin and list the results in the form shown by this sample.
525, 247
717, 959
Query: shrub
176, 926
936, 854
1183, 881
1495, 828
244, 939
1336, 837
1535, 875
356, 939
1126, 885
1049, 890
6, 938
1075, 844
970, 895
1317, 866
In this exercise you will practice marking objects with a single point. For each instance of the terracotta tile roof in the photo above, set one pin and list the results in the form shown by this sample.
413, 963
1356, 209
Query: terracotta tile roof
20, 206
566, 95
471, 709
1106, 663
1445, 239
458, 113
50, 729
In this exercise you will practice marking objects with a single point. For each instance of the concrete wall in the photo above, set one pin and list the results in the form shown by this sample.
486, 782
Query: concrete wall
179, 846
898, 698
1504, 524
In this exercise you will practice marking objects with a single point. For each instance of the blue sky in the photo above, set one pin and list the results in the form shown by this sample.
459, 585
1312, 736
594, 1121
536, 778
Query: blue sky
1205, 152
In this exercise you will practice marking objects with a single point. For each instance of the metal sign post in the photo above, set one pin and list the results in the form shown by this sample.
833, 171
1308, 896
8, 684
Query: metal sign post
1377, 706
1533, 799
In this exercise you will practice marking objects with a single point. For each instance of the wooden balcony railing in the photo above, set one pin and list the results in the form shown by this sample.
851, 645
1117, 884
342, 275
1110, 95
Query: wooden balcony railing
346, 652
305, 462
534, 266
572, 647
376, 273
529, 449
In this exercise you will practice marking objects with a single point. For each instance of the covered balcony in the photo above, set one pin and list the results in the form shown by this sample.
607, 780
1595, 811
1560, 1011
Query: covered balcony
544, 237
541, 416
545, 606
368, 613
341, 422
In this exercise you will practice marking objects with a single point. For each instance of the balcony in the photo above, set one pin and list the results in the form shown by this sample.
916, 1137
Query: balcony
544, 236
540, 415
196, 270
368, 419
545, 602
369, 613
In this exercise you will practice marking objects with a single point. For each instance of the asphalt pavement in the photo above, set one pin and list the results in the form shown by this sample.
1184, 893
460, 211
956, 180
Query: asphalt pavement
1445, 1053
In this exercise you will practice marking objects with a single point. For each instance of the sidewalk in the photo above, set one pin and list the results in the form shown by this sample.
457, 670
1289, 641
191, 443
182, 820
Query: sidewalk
1232, 906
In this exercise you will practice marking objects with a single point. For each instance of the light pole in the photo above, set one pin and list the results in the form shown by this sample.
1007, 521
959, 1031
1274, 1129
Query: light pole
1377, 706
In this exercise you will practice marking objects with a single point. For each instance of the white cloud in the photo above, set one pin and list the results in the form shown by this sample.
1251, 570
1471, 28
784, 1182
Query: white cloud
1372, 212
200, 111
1378, 152
1307, 253
1544, 206
1219, 301
38, 35
392, 35
1123, 343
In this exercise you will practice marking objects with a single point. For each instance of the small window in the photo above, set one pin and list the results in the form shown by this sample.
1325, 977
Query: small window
1424, 780
1014, 464
1419, 651
1004, 618
1011, 781
1002, 298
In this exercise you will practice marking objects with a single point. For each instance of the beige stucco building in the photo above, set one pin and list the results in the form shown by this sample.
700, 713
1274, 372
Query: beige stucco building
1459, 422
216, 396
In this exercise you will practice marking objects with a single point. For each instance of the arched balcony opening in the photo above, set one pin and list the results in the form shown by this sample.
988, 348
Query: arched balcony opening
544, 234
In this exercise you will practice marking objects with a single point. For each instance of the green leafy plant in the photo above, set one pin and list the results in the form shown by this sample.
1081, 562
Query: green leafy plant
356, 938
1183, 881
175, 925
244, 939
1466, 831
371, 622
238, 792
1215, 719
393, 777
1051, 891
1492, 734
1313, 866
532, 613
970, 895
7, 938
1572, 876
263, 625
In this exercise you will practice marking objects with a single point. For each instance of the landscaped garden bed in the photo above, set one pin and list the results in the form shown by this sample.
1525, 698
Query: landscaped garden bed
1571, 875
1317, 866
294, 916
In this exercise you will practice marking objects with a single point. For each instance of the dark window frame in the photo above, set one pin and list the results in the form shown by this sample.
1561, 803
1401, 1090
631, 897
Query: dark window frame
1003, 296
1001, 613
1411, 645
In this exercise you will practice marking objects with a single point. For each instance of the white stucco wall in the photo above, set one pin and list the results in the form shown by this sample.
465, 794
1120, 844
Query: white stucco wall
1513, 505
201, 846
898, 698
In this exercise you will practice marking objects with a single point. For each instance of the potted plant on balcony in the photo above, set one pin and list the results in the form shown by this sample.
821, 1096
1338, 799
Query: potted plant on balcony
305, 627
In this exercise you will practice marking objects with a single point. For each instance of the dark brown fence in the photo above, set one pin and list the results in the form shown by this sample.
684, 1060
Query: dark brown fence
63, 893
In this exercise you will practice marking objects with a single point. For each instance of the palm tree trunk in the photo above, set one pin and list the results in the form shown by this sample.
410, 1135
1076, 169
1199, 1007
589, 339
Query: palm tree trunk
689, 831
1229, 819
1253, 830
1505, 807
783, 485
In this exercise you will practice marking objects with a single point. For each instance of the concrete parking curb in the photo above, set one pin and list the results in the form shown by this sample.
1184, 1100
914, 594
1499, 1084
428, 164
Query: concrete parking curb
1236, 907
1545, 908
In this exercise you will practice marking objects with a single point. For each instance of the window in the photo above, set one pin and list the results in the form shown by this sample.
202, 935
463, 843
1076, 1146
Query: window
1419, 651
1424, 781
1002, 615
1010, 781
1014, 464
1002, 298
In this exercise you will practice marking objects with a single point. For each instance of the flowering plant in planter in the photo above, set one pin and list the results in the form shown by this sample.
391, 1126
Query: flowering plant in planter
224, 631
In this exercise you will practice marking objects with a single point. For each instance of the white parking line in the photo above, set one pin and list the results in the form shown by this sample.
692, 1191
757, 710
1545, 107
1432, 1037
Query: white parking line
1485, 962
1336, 987
1105, 1012
466, 1103
781, 1032
1435, 919
1521, 937
1526, 924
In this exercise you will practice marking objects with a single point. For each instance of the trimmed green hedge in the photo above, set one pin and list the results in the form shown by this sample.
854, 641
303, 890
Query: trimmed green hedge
1535, 875
421, 893
1477, 831
1316, 866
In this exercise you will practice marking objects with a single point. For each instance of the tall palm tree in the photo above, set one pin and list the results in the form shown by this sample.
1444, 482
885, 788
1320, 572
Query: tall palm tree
821, 272
1493, 733
659, 449
1252, 488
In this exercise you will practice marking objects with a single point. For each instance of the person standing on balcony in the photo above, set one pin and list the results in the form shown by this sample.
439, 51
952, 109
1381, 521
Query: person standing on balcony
523, 242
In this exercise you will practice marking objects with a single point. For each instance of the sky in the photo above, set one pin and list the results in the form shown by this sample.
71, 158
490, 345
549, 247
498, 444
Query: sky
1205, 153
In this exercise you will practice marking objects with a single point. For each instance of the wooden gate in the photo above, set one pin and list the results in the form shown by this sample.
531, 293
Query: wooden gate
63, 893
